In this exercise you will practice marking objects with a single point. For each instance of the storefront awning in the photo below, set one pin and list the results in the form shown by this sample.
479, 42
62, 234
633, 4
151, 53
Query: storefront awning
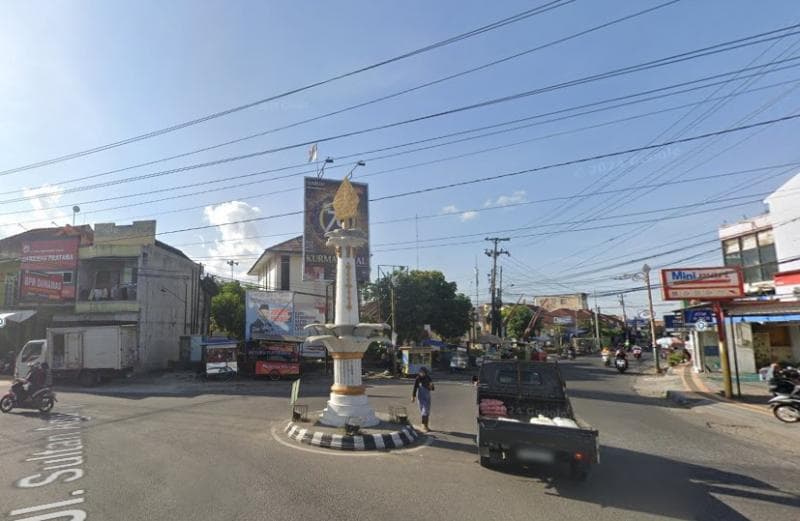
15, 316
766, 318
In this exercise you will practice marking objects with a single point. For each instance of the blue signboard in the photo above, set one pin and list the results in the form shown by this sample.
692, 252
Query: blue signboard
693, 315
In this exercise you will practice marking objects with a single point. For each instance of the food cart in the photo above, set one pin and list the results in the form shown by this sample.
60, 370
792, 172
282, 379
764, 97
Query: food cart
276, 357
414, 358
220, 359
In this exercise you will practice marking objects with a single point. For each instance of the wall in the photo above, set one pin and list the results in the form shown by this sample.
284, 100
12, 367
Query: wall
784, 205
165, 316
270, 277
140, 233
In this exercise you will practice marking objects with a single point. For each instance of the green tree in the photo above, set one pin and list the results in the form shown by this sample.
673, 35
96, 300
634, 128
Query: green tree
421, 297
517, 320
227, 309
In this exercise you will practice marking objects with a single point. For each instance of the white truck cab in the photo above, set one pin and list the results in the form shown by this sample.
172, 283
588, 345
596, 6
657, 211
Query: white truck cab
32, 352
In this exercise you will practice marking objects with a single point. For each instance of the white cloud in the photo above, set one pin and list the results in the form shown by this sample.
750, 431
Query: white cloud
468, 216
41, 213
504, 200
232, 243
464, 217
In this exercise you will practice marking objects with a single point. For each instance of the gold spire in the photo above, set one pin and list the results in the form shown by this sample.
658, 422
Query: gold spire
345, 204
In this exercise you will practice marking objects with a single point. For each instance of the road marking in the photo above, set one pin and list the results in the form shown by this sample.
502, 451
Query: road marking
305, 448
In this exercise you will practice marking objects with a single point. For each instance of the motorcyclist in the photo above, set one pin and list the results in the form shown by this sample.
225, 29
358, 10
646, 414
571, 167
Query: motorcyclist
35, 379
621, 353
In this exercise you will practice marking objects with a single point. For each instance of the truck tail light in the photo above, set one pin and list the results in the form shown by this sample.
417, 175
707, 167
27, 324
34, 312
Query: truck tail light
579, 456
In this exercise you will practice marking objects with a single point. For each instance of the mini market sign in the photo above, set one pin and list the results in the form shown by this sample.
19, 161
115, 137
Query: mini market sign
702, 283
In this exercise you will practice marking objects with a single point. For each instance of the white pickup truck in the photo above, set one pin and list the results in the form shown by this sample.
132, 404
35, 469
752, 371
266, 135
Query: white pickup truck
86, 354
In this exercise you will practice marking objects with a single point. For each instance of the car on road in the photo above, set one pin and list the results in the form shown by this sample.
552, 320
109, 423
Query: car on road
525, 418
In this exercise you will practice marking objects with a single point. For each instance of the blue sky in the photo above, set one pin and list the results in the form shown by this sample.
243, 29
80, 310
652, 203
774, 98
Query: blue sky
74, 75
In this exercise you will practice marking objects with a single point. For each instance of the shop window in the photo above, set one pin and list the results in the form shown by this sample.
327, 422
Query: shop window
67, 277
750, 251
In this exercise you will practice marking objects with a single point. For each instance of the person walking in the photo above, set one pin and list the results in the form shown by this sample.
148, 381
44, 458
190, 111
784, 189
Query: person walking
423, 385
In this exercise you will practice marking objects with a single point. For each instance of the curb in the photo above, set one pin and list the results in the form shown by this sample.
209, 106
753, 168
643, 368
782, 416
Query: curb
392, 440
704, 391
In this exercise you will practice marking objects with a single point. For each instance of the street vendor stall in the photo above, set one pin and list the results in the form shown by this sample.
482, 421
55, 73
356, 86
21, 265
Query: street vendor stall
220, 359
275, 357
414, 358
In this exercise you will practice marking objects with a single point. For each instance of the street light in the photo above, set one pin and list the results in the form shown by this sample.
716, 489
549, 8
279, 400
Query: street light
232, 263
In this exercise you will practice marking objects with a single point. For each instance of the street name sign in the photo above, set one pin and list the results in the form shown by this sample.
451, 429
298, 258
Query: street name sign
701, 325
702, 283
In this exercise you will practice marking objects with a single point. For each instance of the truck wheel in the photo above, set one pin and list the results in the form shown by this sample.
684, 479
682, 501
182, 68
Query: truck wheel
87, 379
486, 461
274, 375
578, 472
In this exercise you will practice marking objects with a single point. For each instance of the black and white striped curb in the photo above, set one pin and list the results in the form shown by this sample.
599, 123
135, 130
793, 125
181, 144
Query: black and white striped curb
392, 440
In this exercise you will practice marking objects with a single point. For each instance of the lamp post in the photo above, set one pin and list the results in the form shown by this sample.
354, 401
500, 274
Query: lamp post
232, 263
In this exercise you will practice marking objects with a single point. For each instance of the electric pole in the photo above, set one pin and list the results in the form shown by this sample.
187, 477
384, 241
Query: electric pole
624, 318
477, 315
494, 253
232, 263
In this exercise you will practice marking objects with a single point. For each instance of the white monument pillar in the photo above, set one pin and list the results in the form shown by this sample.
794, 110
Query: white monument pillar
346, 339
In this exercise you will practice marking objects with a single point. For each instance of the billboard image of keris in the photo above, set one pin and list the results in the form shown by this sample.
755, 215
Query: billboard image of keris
319, 260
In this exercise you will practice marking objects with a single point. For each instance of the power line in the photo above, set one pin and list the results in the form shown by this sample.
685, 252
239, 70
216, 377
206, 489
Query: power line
677, 58
361, 154
166, 130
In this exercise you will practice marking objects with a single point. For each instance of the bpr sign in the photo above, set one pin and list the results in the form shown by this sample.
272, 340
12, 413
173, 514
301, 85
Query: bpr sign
702, 283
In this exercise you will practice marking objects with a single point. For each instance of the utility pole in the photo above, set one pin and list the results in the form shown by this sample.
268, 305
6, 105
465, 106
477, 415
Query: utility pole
624, 319
477, 313
494, 253
596, 322
656, 354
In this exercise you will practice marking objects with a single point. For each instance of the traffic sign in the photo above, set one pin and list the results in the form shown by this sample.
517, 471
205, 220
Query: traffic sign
701, 325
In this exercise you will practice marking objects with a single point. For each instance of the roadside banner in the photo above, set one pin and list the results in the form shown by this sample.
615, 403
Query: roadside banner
268, 314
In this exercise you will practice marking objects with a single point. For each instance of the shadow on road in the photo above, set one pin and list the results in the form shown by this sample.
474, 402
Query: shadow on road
667, 487
607, 396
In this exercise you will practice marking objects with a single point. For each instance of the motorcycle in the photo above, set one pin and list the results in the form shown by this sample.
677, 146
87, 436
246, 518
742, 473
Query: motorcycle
606, 360
786, 407
43, 399
621, 364
637, 353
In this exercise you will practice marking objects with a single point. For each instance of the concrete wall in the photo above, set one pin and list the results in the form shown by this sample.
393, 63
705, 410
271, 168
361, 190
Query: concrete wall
784, 206
139, 233
165, 316
270, 277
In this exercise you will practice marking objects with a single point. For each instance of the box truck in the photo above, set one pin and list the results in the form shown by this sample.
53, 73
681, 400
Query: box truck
88, 354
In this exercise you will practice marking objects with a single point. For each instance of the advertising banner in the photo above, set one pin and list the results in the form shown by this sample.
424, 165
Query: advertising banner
48, 268
309, 309
702, 283
268, 314
50, 255
319, 260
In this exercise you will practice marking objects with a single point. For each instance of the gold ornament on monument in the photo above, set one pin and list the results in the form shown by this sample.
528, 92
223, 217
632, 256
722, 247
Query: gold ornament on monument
345, 204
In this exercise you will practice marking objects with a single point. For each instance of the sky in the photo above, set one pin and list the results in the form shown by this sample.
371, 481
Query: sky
82, 74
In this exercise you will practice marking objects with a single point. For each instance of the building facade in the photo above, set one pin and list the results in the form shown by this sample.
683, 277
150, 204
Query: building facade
750, 244
112, 275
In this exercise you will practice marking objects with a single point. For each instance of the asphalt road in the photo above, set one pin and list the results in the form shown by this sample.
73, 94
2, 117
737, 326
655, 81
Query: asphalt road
215, 456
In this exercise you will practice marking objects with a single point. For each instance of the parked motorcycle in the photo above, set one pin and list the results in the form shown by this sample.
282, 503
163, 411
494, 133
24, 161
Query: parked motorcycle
786, 407
621, 364
43, 399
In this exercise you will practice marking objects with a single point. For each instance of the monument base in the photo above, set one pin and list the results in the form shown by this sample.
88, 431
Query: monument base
340, 407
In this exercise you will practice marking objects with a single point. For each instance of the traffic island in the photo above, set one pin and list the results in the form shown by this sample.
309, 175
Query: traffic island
383, 436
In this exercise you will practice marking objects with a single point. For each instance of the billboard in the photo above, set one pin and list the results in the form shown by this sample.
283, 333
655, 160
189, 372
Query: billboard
702, 283
47, 269
268, 314
319, 260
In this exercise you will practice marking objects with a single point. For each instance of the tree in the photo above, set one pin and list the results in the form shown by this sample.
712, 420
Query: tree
518, 318
227, 309
421, 297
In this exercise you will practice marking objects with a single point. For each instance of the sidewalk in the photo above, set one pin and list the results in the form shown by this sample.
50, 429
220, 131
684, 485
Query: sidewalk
755, 395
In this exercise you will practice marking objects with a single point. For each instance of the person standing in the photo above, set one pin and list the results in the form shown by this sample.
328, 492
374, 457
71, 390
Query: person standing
423, 385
